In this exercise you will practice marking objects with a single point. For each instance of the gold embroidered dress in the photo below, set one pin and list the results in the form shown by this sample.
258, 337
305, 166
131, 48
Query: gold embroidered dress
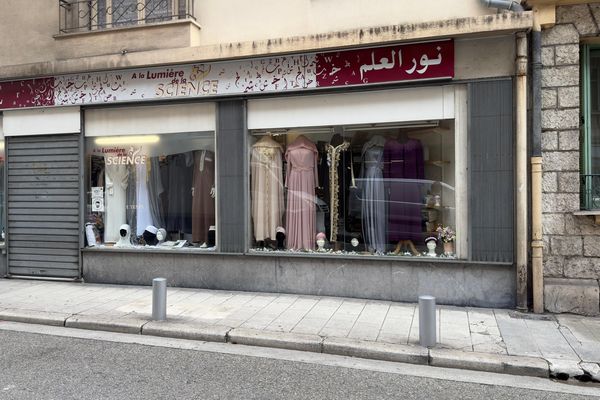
335, 189
267, 187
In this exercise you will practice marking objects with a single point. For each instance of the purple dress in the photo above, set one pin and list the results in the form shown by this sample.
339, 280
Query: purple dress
403, 166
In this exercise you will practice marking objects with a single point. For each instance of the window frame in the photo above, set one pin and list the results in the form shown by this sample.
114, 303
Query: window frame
585, 140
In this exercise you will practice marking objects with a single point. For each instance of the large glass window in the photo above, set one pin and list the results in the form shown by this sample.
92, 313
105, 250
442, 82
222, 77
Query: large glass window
151, 191
371, 189
590, 148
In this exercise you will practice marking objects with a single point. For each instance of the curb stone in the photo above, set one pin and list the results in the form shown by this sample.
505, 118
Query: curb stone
120, 325
281, 340
190, 331
498, 363
448, 358
376, 350
34, 317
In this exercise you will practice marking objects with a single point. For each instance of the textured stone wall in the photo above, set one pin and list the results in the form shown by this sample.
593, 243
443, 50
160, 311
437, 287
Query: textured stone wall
571, 243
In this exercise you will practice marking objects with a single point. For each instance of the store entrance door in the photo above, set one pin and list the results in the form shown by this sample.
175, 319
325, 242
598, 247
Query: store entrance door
43, 205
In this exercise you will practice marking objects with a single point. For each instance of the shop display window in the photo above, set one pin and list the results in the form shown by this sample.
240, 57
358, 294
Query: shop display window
384, 190
151, 191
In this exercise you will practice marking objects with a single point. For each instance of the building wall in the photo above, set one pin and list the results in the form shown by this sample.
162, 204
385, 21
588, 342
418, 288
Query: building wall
221, 22
571, 242
306, 17
300, 26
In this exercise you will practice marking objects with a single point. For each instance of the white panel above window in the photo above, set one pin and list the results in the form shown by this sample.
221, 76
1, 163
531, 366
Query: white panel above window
176, 118
397, 105
1, 128
42, 121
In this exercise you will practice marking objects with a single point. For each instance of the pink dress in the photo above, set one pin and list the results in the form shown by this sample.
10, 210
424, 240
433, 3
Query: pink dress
301, 181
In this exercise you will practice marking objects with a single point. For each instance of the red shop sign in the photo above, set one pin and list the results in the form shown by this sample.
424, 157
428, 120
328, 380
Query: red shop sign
410, 62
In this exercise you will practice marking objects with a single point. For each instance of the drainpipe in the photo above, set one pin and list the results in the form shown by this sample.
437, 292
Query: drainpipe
522, 220
511, 5
537, 244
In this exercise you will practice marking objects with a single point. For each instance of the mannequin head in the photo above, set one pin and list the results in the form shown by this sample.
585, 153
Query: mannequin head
280, 237
124, 236
150, 235
161, 235
431, 243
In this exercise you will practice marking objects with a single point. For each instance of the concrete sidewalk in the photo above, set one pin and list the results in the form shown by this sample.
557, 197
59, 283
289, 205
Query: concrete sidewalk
470, 338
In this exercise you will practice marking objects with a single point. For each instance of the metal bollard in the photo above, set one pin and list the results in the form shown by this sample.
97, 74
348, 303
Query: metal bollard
427, 328
159, 299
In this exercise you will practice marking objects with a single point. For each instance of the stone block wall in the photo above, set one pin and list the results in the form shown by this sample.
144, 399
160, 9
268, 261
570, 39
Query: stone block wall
571, 243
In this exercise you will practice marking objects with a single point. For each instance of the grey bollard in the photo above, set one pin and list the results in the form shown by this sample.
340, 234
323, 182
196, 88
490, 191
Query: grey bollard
427, 328
159, 299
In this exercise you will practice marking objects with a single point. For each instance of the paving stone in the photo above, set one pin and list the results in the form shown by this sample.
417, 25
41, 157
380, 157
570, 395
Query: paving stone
283, 340
375, 350
516, 335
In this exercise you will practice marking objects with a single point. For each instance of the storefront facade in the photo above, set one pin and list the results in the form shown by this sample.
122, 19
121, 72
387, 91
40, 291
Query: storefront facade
341, 171
218, 180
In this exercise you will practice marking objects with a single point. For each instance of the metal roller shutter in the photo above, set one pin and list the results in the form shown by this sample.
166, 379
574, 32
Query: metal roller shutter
492, 191
43, 202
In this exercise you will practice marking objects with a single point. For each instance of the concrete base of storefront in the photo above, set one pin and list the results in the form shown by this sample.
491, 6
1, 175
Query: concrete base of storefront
450, 281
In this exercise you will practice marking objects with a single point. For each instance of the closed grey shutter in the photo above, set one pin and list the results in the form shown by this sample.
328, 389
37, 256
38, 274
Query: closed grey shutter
491, 142
43, 195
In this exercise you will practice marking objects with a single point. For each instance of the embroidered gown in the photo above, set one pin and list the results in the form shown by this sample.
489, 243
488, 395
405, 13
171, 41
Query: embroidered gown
267, 188
301, 181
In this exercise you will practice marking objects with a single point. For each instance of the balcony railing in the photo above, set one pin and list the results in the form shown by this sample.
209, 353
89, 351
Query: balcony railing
590, 192
90, 15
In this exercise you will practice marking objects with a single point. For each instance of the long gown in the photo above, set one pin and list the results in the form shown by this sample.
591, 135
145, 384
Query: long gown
116, 186
267, 188
203, 203
373, 196
404, 164
301, 181
143, 214
340, 179
180, 176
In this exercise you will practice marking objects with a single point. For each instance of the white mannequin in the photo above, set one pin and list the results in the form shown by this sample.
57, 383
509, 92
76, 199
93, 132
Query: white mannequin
431, 245
161, 235
124, 236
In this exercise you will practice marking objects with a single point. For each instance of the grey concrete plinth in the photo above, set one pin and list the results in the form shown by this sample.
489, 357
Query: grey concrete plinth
578, 296
396, 279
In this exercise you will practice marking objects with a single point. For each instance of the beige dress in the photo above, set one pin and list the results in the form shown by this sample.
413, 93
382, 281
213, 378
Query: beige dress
267, 188
301, 181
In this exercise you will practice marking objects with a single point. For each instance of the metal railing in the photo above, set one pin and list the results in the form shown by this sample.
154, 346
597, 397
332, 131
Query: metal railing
90, 15
590, 192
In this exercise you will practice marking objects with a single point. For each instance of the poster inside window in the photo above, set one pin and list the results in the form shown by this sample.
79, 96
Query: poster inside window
151, 191
385, 190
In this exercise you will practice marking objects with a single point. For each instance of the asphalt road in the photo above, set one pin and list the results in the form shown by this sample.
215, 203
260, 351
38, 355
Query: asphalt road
105, 366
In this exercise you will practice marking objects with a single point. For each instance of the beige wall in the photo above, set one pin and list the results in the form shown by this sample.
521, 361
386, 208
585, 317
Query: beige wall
244, 20
31, 32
